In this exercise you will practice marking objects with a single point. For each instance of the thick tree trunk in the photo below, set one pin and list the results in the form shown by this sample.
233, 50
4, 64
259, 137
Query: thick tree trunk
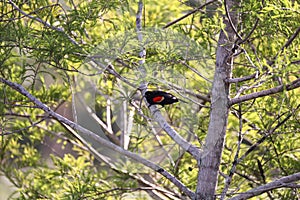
210, 161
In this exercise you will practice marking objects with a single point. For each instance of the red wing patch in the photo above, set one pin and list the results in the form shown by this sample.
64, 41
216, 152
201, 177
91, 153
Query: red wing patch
158, 99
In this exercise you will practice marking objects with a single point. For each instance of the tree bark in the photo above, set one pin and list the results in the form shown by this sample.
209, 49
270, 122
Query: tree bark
210, 161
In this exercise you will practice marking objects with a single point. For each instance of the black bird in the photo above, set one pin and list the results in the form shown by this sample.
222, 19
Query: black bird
160, 98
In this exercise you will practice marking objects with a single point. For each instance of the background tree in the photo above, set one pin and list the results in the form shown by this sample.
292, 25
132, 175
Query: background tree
74, 123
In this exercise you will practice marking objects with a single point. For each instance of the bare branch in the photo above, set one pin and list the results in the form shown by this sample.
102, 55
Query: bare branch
280, 183
138, 20
25, 128
291, 39
104, 142
253, 28
195, 71
205, 98
142, 52
230, 21
245, 78
286, 45
236, 157
188, 14
291, 86
250, 33
188, 147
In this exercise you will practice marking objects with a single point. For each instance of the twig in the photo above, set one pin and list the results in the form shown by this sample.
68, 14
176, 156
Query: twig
25, 128
291, 39
250, 33
188, 14
142, 53
195, 71
205, 98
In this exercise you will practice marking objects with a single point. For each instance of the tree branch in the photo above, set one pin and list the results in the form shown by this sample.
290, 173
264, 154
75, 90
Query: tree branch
288, 43
193, 150
61, 30
228, 179
188, 14
282, 182
269, 132
230, 21
105, 143
108, 68
253, 28
188, 147
291, 39
241, 79
291, 86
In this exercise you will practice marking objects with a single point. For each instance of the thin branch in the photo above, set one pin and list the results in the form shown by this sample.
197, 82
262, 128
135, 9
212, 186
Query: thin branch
230, 21
195, 71
249, 178
109, 68
139, 110
286, 45
188, 147
236, 157
205, 98
121, 190
105, 143
61, 30
280, 183
142, 52
188, 14
291, 39
250, 33
25, 128
245, 88
270, 132
193, 150
242, 79
138, 22
253, 28
295, 84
